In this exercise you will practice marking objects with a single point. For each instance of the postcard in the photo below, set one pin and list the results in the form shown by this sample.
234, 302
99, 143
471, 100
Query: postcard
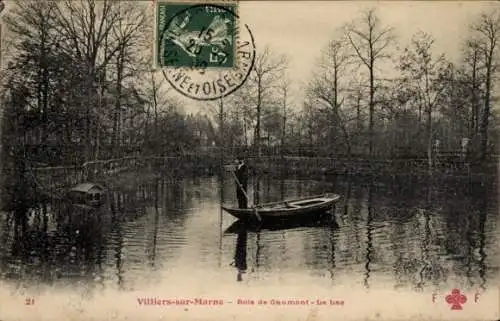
242, 160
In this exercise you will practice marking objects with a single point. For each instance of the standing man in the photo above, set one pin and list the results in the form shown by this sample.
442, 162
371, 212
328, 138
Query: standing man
241, 174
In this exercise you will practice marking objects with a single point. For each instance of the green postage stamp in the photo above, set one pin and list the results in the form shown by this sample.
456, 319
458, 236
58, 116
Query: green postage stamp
196, 34
200, 48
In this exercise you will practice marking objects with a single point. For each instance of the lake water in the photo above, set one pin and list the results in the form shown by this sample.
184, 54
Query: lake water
168, 237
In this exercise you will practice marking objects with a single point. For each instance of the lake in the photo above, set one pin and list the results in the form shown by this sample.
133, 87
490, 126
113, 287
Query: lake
168, 237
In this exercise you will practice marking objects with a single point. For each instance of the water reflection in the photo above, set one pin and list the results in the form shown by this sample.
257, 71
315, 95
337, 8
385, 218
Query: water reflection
418, 238
240, 255
369, 237
478, 240
55, 240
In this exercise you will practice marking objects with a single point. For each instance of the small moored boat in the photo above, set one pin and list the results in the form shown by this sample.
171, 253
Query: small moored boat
87, 194
302, 208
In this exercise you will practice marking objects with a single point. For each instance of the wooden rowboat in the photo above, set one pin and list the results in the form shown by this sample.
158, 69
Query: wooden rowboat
302, 208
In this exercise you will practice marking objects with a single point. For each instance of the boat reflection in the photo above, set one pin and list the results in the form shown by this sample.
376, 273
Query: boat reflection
328, 220
242, 228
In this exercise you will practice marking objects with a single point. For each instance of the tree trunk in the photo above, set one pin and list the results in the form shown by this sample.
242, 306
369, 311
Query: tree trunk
245, 133
97, 123
429, 136
486, 114
88, 122
474, 104
117, 114
257, 128
372, 108
283, 129
155, 108
44, 86
358, 112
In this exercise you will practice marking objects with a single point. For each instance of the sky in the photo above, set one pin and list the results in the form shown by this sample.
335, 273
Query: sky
301, 29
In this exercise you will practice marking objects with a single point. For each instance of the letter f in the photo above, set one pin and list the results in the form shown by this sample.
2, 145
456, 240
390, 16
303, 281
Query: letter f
433, 297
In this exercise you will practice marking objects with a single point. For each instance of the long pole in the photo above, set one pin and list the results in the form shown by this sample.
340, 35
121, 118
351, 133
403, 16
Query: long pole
283, 130
241, 187
248, 200
96, 155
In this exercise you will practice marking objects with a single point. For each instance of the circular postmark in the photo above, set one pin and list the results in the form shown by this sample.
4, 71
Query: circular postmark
202, 51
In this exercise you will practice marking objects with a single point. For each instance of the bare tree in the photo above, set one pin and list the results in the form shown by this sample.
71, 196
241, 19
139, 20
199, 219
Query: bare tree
326, 87
243, 104
126, 34
285, 88
155, 92
267, 71
84, 31
370, 42
355, 95
472, 62
486, 32
94, 32
424, 76
33, 20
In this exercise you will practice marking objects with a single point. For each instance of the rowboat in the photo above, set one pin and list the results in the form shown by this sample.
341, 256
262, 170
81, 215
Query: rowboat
302, 208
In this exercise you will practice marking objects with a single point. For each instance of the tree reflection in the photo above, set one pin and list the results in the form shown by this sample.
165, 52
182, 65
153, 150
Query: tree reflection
482, 213
256, 186
425, 241
56, 240
282, 184
369, 237
221, 211
156, 220
118, 238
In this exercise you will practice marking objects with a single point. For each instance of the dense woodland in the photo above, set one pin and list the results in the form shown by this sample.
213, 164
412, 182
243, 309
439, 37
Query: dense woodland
77, 85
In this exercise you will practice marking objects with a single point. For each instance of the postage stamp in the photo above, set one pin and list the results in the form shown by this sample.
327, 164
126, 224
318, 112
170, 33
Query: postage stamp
200, 48
191, 34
